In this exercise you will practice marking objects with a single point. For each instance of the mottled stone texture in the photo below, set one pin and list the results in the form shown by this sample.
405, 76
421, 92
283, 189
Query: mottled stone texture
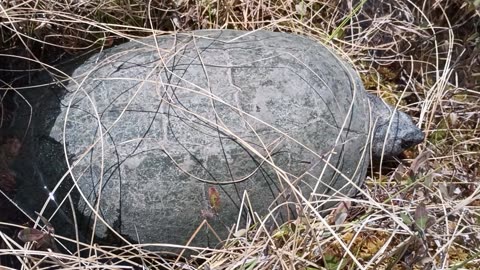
155, 124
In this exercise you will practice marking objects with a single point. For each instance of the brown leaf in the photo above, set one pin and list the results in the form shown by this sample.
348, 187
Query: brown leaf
420, 161
341, 212
30, 235
214, 198
108, 42
400, 173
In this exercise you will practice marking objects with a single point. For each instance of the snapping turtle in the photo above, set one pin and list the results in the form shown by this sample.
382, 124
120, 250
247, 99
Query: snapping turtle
177, 129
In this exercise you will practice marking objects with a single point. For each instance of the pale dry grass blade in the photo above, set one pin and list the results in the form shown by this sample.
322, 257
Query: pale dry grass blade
417, 55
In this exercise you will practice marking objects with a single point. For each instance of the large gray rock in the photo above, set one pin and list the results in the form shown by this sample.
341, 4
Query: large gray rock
159, 124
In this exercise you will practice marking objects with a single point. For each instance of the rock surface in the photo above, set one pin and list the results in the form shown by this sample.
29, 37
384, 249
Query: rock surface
174, 130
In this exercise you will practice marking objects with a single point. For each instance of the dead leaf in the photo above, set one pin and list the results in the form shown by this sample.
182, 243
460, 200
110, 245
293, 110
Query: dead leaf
214, 198
340, 218
340, 213
108, 42
453, 119
30, 235
420, 161
240, 233
421, 216
444, 191
400, 173
428, 180
43, 240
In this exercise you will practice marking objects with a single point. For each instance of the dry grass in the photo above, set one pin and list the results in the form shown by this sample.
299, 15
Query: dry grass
421, 56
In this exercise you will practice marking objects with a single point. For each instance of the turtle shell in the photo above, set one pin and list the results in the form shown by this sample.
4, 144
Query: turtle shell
170, 131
